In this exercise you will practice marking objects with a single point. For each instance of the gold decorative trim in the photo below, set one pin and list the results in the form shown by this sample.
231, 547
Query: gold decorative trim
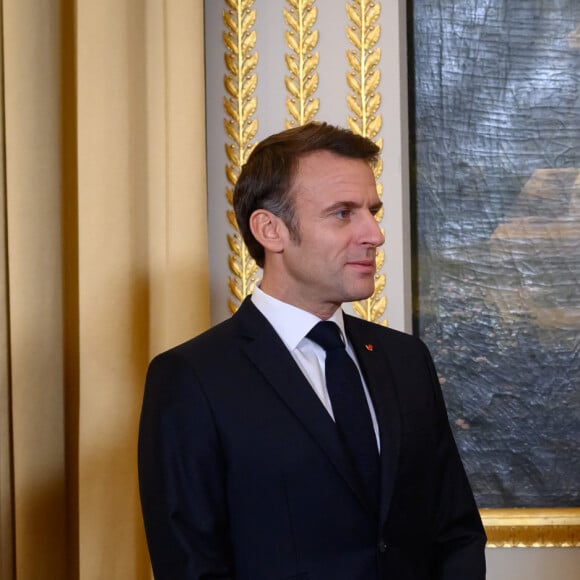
301, 63
240, 104
364, 101
532, 528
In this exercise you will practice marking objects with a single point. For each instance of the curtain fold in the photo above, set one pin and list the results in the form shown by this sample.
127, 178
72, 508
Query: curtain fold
6, 507
105, 263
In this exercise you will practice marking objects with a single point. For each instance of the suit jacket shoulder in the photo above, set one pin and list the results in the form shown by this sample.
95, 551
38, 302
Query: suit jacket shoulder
218, 340
389, 336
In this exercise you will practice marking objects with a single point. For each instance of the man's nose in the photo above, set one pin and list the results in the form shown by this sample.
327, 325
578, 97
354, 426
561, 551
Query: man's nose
374, 234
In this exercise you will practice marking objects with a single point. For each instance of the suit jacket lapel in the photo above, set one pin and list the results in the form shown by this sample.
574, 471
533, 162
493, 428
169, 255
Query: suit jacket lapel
375, 367
268, 353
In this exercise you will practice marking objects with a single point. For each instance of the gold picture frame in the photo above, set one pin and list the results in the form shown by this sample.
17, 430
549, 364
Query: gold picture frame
532, 527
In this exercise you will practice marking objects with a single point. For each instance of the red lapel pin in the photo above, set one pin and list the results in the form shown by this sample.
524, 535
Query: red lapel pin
369, 347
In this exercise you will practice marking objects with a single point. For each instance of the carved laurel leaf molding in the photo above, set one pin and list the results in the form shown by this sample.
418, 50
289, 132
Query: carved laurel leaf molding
241, 126
364, 100
302, 62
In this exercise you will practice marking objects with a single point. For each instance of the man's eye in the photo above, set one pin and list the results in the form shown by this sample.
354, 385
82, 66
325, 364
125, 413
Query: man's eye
343, 214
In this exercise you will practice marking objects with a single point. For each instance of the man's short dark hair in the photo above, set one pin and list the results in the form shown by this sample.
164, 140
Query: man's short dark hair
266, 179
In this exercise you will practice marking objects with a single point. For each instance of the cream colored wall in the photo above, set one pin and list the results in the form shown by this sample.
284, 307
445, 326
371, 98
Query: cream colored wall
533, 564
271, 114
503, 563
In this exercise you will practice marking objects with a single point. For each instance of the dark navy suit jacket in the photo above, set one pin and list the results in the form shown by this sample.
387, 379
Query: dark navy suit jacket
242, 475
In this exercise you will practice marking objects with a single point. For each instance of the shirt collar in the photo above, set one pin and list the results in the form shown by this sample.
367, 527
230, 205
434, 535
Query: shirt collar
290, 322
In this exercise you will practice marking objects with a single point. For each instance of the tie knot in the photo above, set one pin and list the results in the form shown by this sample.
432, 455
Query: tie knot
327, 335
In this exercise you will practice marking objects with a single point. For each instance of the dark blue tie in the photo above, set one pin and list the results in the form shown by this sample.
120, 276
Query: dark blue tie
349, 405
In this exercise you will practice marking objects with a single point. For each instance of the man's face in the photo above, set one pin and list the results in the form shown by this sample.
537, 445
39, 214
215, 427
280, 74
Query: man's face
333, 258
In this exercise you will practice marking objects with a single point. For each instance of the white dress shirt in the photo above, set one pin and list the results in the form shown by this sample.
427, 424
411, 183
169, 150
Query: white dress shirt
292, 324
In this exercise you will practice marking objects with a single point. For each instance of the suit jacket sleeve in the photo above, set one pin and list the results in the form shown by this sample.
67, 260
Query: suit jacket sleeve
182, 476
460, 535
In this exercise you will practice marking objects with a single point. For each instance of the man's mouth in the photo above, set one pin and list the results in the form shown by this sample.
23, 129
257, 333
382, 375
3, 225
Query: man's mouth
363, 265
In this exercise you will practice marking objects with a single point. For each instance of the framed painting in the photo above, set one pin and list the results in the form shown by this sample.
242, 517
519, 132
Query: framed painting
495, 149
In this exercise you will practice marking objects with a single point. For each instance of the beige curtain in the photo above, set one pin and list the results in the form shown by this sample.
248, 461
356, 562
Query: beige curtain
103, 264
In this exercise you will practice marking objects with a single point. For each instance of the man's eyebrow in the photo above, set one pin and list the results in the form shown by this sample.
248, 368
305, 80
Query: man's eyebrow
341, 205
351, 205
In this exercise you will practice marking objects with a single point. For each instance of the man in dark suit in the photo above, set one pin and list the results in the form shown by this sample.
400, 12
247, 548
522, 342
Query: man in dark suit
292, 441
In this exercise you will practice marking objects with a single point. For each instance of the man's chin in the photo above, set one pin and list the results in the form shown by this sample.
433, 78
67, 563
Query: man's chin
361, 294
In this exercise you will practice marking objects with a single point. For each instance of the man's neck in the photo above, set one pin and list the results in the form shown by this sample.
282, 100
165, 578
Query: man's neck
321, 310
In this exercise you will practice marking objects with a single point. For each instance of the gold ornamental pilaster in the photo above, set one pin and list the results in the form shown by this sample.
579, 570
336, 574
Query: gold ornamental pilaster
364, 101
301, 62
240, 105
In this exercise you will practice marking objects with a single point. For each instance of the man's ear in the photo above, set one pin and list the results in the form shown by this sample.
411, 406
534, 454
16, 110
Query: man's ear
268, 229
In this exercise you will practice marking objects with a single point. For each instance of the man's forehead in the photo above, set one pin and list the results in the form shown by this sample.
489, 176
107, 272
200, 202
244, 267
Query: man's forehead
325, 167
328, 166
